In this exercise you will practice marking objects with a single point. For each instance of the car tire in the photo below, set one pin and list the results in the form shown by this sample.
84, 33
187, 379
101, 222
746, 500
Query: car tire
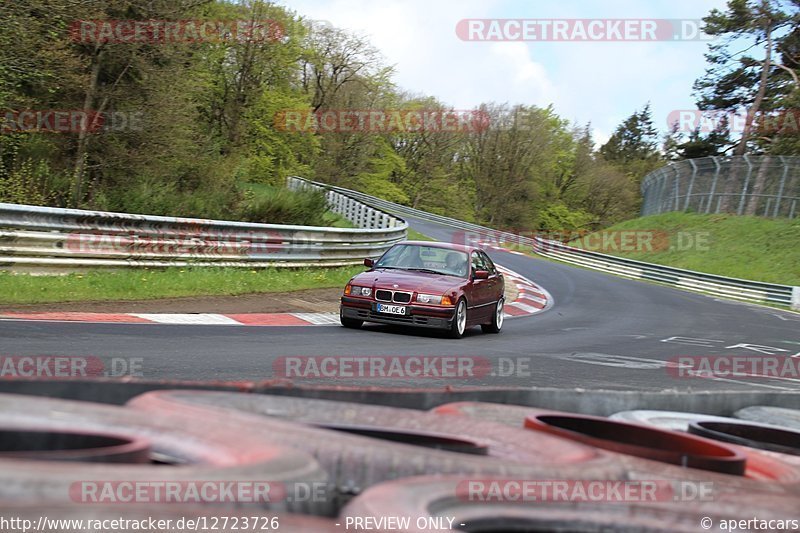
352, 323
222, 450
497, 318
361, 445
459, 323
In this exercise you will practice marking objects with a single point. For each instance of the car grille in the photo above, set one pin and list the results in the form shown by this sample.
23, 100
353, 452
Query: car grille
399, 297
384, 296
402, 297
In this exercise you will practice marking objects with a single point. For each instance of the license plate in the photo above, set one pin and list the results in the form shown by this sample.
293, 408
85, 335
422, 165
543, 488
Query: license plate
393, 309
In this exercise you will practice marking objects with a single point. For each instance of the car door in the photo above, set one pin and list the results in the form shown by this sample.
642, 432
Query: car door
480, 290
495, 285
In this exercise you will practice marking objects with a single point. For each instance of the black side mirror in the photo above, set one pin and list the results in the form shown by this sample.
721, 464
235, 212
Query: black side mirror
481, 274
369, 262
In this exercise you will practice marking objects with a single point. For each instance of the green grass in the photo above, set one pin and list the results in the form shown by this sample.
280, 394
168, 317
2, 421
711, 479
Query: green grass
751, 248
414, 235
334, 220
150, 284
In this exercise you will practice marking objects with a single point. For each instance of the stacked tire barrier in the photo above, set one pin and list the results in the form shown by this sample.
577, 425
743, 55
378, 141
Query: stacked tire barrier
42, 237
737, 289
325, 465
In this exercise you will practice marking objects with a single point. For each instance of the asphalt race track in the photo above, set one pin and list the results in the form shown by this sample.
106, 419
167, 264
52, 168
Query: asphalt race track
603, 332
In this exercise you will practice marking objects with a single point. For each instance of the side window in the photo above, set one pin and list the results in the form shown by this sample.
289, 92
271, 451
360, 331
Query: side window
477, 262
488, 263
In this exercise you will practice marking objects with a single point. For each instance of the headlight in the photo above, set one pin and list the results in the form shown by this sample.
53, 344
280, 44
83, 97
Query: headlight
360, 291
429, 299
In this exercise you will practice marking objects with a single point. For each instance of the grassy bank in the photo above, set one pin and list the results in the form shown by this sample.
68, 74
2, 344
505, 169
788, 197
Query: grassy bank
149, 284
414, 235
743, 247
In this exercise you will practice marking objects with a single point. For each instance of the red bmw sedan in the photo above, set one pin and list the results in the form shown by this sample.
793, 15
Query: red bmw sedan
427, 284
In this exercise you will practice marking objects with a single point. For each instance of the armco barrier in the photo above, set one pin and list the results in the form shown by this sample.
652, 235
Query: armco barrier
33, 236
737, 289
733, 288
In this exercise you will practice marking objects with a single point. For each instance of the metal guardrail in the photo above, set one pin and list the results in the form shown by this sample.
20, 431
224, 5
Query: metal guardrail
766, 186
41, 237
733, 288
737, 289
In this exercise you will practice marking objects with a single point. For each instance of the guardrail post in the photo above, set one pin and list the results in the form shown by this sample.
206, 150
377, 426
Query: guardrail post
796, 298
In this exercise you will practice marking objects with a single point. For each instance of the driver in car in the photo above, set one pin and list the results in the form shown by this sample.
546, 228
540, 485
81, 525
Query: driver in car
455, 264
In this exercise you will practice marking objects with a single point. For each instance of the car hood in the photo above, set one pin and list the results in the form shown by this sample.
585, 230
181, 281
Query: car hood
408, 281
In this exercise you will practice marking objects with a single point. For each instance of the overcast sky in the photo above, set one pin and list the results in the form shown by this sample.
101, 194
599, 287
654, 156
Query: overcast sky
597, 82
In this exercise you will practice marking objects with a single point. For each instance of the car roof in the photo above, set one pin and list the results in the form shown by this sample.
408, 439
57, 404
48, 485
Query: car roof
446, 245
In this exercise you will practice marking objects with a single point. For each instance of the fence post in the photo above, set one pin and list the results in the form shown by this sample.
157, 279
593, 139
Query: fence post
780, 187
691, 184
677, 186
717, 168
740, 210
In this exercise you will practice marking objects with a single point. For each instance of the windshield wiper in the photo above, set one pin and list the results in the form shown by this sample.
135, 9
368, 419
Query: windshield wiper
428, 270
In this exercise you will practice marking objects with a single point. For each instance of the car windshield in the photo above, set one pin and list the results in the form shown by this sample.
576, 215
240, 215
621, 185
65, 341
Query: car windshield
432, 259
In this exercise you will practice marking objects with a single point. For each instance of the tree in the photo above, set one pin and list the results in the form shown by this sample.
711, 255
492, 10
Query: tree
737, 81
714, 143
633, 147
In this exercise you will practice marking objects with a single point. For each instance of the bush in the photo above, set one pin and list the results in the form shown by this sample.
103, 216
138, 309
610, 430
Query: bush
156, 197
281, 206
27, 184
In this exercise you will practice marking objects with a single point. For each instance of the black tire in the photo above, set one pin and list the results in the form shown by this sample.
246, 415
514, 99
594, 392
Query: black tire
352, 323
497, 318
459, 325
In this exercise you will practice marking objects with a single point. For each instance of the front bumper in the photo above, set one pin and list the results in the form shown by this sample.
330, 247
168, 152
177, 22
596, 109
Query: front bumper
421, 316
